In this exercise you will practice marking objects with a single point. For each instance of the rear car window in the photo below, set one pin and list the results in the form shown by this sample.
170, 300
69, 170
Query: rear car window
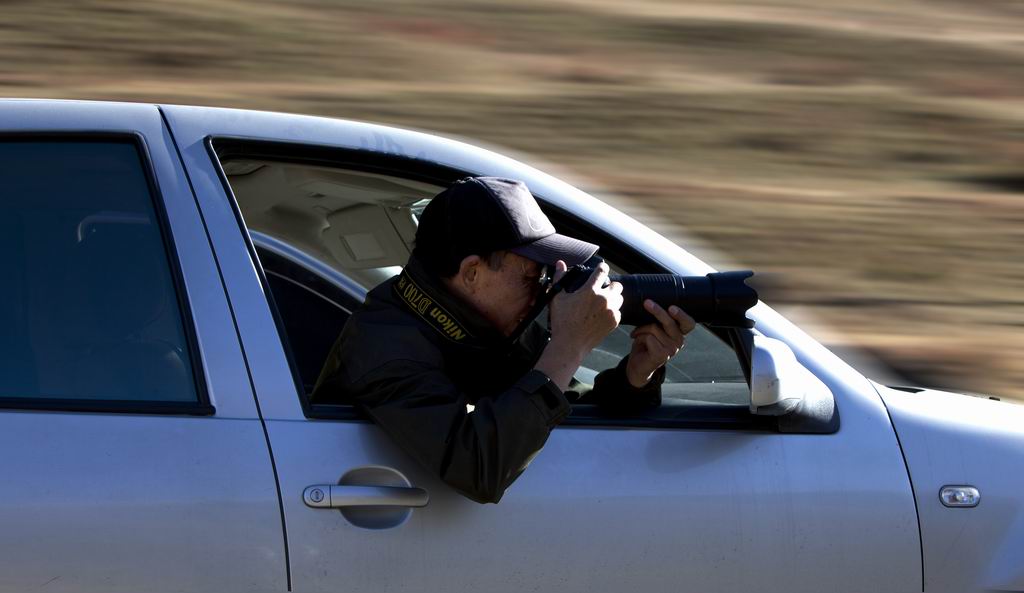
88, 303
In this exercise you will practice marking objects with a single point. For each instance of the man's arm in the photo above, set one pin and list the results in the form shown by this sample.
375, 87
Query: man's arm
478, 450
656, 343
614, 393
635, 383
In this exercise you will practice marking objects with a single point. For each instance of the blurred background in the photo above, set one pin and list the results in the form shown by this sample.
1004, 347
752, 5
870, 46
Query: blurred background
864, 156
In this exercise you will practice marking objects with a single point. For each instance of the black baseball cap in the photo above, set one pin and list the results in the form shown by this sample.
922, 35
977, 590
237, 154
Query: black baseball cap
479, 215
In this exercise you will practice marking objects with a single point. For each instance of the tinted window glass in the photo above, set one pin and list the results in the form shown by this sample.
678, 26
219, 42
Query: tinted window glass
312, 311
88, 306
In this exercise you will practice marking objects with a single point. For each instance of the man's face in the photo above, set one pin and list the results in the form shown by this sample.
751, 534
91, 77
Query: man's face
504, 295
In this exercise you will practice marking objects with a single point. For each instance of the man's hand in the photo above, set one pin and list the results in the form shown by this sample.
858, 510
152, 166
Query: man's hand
580, 320
655, 343
585, 317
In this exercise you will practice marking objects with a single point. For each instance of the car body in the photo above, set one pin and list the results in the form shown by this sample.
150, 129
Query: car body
158, 434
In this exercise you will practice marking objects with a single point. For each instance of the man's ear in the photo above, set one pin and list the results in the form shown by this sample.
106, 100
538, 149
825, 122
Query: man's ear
468, 275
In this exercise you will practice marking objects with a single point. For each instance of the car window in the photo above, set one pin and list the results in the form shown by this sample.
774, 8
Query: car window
88, 304
314, 226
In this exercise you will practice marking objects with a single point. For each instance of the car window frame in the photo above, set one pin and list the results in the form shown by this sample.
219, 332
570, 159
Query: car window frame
699, 415
202, 406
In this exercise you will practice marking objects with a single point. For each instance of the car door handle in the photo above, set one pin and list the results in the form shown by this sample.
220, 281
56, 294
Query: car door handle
334, 496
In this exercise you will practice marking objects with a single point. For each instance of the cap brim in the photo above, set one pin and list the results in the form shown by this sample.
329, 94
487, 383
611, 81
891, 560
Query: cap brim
552, 248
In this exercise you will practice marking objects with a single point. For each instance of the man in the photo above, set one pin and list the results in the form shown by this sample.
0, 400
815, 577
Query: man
429, 356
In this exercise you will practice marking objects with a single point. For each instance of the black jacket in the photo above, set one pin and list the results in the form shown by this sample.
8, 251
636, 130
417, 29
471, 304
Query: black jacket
412, 358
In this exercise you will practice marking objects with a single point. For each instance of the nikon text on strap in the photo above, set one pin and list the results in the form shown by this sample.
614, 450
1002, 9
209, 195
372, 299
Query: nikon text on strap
427, 308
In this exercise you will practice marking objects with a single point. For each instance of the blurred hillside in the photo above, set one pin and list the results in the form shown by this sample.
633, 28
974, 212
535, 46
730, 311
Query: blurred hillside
867, 156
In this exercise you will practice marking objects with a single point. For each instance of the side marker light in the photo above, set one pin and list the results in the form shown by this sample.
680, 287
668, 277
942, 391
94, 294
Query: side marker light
960, 496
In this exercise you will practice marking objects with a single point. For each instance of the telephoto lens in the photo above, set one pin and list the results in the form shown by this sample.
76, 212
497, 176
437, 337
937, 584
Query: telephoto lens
719, 298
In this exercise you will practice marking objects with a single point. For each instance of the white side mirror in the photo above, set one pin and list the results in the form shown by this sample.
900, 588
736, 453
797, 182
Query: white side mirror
778, 383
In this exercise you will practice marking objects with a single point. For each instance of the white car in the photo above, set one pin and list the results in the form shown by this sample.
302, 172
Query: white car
174, 276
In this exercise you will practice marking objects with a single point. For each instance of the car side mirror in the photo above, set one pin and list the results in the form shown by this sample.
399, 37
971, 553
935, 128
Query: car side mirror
779, 384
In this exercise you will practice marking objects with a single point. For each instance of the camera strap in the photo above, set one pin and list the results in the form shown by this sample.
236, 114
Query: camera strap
427, 308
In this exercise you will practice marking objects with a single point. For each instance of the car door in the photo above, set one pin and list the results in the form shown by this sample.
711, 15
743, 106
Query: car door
701, 502
133, 455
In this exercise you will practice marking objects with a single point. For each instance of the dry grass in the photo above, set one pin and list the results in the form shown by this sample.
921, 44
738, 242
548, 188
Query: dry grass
867, 157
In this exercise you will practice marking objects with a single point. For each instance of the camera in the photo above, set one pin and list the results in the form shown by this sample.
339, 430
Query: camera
718, 299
